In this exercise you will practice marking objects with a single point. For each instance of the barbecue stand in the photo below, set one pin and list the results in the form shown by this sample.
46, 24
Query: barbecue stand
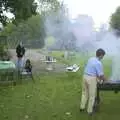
105, 86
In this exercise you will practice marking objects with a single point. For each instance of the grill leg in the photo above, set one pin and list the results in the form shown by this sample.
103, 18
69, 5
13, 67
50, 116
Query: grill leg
97, 101
98, 96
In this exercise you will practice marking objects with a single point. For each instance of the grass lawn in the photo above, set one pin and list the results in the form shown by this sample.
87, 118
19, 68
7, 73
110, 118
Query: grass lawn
54, 97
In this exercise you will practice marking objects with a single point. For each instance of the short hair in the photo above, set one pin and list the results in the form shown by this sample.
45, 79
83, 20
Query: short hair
28, 61
100, 52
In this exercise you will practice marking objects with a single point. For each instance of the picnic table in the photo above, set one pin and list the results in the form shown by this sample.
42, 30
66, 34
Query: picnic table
7, 71
50, 62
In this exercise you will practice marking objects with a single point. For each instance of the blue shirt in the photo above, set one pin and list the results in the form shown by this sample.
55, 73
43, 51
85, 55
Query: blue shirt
94, 67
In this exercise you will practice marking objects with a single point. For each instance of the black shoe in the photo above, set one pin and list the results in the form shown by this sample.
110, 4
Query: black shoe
82, 110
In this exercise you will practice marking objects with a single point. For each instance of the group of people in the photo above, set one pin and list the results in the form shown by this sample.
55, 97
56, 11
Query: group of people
93, 73
20, 50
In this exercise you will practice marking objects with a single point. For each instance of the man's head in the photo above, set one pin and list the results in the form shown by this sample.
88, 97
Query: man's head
100, 53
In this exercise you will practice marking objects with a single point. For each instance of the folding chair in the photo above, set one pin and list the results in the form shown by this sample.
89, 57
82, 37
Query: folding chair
24, 74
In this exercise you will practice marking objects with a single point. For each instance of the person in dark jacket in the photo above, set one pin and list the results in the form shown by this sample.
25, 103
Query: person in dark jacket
28, 66
20, 50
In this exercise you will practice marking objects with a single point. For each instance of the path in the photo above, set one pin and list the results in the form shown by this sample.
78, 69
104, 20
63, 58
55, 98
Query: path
35, 56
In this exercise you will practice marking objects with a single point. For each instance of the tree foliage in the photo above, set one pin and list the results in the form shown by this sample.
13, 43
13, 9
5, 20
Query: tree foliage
23, 9
47, 6
115, 21
28, 31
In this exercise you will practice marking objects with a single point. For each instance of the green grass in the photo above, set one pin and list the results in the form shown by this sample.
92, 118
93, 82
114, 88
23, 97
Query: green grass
52, 97
77, 59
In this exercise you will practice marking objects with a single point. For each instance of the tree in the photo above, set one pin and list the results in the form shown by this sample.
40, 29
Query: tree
48, 6
3, 48
115, 21
28, 31
23, 9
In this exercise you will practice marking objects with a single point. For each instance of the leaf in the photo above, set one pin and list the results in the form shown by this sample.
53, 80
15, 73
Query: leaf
68, 113
26, 116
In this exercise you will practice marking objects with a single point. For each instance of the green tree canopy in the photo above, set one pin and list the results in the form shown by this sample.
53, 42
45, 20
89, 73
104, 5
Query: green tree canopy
115, 21
23, 9
27, 31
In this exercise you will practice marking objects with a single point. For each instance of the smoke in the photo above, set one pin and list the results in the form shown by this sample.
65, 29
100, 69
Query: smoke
58, 25
83, 28
78, 35
111, 44
82, 35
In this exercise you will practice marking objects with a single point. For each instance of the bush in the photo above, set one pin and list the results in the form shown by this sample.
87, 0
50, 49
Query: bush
4, 53
1, 51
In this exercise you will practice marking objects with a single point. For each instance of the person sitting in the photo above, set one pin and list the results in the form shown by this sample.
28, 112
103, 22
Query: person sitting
28, 69
28, 66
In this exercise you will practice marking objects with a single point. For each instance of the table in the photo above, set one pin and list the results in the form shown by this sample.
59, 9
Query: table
7, 71
50, 64
106, 86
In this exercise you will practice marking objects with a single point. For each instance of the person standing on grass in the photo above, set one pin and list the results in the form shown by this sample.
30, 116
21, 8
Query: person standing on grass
93, 72
20, 50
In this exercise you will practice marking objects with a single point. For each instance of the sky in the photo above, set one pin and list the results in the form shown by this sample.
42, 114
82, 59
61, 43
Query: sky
100, 10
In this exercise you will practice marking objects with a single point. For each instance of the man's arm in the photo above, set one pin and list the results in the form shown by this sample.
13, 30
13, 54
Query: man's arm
102, 77
100, 73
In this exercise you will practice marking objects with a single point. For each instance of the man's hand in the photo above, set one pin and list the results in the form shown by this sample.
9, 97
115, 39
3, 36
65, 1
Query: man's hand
102, 77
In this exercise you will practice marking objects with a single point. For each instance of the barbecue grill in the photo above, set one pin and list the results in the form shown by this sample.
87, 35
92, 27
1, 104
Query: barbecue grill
110, 85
